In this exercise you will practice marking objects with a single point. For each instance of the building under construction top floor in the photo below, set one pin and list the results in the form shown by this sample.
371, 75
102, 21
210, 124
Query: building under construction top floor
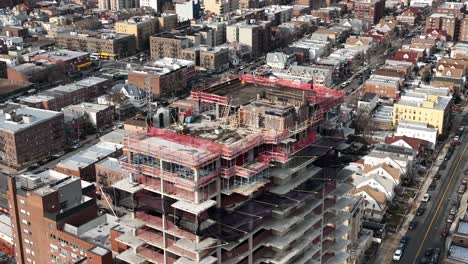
236, 182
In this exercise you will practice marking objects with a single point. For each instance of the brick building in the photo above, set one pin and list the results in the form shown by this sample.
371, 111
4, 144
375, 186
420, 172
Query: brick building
28, 134
49, 213
463, 34
83, 163
371, 10
68, 61
64, 95
214, 59
107, 45
166, 76
99, 116
167, 45
141, 27
446, 22
383, 86
37, 72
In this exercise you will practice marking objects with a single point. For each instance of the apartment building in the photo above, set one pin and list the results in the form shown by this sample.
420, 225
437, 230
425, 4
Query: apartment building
165, 76
425, 108
221, 7
293, 212
64, 95
188, 9
256, 37
141, 27
106, 45
167, 22
463, 34
214, 59
371, 10
49, 213
447, 22
29, 134
458, 9
167, 44
117, 5
68, 61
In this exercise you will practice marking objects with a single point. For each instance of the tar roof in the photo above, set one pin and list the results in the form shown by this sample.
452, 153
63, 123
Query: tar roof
25, 117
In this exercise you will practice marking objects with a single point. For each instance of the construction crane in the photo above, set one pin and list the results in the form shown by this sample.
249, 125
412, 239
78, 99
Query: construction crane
148, 101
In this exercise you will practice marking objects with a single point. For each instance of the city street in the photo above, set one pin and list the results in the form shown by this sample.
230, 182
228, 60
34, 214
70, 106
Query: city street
432, 223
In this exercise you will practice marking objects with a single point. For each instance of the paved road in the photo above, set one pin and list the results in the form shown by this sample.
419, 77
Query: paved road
433, 222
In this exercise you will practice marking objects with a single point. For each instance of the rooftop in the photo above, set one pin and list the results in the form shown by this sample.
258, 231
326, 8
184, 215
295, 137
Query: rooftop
462, 227
162, 66
405, 124
45, 182
89, 156
86, 107
96, 231
60, 55
16, 117
458, 253
424, 100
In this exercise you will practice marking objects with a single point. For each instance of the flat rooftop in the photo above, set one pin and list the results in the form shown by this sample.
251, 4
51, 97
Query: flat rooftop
458, 253
60, 55
416, 99
90, 156
45, 182
16, 117
86, 107
405, 124
97, 231
462, 227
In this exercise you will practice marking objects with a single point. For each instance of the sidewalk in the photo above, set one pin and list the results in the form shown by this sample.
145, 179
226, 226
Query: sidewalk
390, 243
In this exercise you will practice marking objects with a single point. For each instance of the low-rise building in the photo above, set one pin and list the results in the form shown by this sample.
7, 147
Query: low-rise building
37, 72
459, 51
69, 61
419, 131
423, 108
383, 86
368, 102
83, 163
279, 60
167, 44
61, 96
99, 116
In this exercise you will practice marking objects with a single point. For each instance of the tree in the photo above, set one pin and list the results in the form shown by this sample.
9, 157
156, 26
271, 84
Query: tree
426, 76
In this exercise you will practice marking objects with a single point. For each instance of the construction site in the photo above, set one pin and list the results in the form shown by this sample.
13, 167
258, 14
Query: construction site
236, 183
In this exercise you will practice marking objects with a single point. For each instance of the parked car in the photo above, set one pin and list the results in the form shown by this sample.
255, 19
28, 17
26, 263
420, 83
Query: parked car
454, 210
412, 225
461, 189
426, 198
420, 211
433, 185
450, 218
404, 240
397, 254
428, 252
437, 176
456, 138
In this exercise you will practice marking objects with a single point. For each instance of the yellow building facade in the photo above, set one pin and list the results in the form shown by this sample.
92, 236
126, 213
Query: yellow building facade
141, 27
433, 110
